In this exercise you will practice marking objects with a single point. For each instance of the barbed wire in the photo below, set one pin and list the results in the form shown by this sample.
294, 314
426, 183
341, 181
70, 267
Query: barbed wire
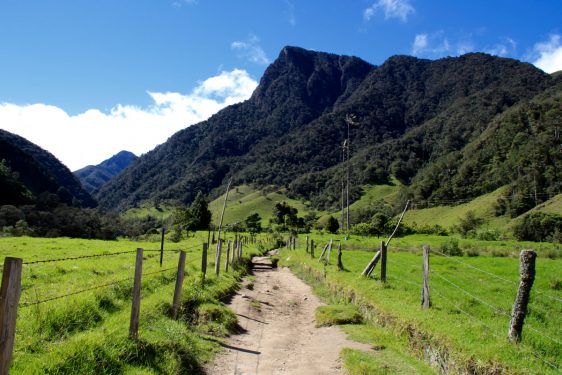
493, 307
27, 304
78, 257
539, 357
493, 274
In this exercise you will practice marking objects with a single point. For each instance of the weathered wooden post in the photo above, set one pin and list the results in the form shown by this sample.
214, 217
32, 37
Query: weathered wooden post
312, 248
306, 244
340, 264
135, 309
323, 252
9, 299
383, 262
162, 246
240, 250
204, 260
179, 284
373, 263
527, 274
227, 257
425, 301
329, 251
218, 257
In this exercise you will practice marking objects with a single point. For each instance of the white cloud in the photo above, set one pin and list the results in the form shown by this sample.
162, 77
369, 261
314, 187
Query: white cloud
391, 8
93, 136
505, 47
430, 45
291, 13
251, 50
548, 55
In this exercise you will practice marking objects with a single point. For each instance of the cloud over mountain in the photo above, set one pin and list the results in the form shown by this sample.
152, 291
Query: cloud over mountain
92, 136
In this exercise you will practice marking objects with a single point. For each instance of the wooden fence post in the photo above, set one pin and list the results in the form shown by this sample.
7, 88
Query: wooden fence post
179, 284
240, 250
527, 275
233, 255
162, 246
204, 260
227, 257
9, 298
373, 263
340, 264
329, 250
218, 257
306, 244
312, 248
425, 301
135, 309
323, 252
383, 262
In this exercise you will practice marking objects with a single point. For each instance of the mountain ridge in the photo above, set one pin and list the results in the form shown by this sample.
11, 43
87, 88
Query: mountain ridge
289, 133
93, 177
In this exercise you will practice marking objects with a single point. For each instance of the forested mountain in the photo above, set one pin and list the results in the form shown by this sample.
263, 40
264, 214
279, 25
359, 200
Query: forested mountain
409, 113
93, 177
28, 173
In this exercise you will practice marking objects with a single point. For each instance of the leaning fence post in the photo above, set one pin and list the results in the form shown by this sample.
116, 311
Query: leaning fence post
179, 283
527, 275
9, 298
425, 301
135, 309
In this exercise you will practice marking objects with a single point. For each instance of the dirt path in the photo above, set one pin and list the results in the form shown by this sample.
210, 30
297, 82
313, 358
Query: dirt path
276, 312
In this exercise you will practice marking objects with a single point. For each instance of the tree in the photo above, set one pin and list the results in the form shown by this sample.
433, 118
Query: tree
332, 225
253, 223
197, 216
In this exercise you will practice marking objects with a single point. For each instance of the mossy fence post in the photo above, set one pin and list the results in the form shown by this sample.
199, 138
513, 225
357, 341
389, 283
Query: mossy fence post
527, 274
425, 301
204, 260
383, 262
218, 257
340, 264
135, 309
227, 256
179, 284
9, 298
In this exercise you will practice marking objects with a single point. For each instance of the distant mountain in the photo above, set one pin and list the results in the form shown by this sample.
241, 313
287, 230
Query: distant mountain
93, 177
27, 173
409, 113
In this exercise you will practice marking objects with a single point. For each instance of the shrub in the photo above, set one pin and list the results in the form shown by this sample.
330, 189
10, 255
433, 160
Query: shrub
451, 248
538, 226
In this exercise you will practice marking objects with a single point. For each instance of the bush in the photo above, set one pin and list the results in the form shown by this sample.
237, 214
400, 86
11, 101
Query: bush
538, 227
451, 247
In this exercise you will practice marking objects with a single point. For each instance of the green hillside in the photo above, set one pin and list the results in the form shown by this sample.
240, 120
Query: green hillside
245, 200
447, 216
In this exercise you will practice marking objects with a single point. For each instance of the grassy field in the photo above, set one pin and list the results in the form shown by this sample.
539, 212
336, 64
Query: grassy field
471, 303
244, 200
87, 333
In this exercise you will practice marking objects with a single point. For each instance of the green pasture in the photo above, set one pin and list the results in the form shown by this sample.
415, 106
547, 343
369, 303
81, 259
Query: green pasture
87, 333
245, 200
471, 301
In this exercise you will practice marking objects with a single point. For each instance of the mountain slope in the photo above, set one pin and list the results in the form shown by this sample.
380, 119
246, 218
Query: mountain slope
93, 177
409, 112
36, 171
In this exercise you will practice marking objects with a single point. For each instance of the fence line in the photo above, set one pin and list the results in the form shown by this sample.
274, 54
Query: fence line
492, 274
495, 308
79, 257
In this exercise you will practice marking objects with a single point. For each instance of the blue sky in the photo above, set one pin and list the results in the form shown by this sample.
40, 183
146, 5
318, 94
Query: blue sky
85, 79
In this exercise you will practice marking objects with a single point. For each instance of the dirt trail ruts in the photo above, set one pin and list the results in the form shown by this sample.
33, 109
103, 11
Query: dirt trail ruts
276, 313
